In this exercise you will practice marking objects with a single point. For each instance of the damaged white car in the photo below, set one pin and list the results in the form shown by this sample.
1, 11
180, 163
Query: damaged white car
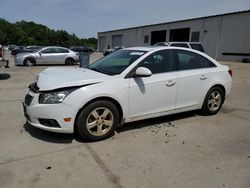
128, 85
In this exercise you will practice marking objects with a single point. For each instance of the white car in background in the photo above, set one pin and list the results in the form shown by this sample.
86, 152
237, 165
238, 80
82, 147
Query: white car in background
128, 85
193, 45
47, 55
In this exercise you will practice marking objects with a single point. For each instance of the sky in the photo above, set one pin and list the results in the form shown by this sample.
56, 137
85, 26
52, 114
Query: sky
87, 17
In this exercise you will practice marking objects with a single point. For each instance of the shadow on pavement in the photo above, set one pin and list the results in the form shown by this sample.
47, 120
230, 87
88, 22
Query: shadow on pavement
48, 136
4, 76
68, 138
155, 121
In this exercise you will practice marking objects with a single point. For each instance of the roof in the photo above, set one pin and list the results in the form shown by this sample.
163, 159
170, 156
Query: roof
225, 14
146, 49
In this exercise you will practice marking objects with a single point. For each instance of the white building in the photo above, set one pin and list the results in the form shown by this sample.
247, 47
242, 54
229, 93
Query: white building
224, 37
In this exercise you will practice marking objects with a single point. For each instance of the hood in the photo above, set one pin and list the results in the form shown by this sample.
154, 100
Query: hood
55, 78
25, 53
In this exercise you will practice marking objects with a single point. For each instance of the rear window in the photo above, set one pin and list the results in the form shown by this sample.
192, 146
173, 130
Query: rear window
190, 60
61, 50
197, 47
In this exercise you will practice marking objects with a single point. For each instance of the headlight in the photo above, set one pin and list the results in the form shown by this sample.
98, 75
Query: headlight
54, 97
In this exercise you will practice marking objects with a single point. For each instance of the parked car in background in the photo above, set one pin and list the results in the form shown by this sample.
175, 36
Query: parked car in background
47, 55
193, 45
3, 62
6, 48
13, 47
128, 85
82, 49
111, 50
24, 49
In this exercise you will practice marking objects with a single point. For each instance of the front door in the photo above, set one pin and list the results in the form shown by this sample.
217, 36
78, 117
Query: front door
154, 95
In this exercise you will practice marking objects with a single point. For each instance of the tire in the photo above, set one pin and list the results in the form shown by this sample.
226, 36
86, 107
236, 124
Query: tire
70, 61
97, 121
29, 62
213, 101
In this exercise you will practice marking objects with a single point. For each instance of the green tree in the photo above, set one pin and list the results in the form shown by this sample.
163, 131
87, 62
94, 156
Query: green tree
30, 33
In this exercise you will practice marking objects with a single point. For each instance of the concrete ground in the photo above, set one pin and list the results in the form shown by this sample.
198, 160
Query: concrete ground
184, 150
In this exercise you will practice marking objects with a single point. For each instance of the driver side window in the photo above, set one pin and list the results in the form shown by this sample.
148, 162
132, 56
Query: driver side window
158, 62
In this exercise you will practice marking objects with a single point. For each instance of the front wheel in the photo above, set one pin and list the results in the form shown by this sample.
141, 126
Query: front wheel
29, 62
98, 121
213, 101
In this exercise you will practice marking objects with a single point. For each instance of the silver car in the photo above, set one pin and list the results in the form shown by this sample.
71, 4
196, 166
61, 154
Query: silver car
48, 55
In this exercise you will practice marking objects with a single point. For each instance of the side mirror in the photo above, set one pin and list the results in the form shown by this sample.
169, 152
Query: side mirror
40, 54
142, 72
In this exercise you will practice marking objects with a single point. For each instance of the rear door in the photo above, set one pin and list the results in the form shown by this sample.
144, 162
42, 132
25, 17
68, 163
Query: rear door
61, 55
194, 73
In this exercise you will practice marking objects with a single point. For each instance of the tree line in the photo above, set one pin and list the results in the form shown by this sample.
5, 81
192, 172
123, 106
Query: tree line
30, 33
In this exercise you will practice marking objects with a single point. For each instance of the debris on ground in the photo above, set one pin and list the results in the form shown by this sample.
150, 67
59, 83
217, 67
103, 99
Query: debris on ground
48, 167
135, 135
171, 124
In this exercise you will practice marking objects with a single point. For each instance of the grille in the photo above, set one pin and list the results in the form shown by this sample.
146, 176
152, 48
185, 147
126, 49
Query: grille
28, 99
49, 123
34, 88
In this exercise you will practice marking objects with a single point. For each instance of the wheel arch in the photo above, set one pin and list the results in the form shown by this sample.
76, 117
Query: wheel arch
110, 99
220, 86
215, 85
69, 58
31, 58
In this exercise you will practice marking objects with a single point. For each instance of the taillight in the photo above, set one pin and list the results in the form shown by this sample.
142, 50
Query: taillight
230, 72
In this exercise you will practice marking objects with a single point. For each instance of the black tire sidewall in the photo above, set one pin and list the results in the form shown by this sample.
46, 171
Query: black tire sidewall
82, 118
70, 61
205, 108
29, 59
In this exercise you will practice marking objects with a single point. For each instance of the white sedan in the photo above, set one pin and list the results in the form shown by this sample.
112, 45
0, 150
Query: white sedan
47, 55
128, 85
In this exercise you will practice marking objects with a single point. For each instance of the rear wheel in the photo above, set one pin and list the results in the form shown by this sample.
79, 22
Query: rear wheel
98, 121
70, 61
213, 101
29, 62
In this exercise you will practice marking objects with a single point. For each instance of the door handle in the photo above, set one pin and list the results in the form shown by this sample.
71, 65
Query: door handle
203, 77
170, 83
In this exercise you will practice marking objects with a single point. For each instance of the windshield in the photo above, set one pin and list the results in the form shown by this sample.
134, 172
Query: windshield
116, 62
35, 51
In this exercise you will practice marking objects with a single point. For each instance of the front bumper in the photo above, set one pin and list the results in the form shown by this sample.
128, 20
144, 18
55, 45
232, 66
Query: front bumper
34, 111
18, 61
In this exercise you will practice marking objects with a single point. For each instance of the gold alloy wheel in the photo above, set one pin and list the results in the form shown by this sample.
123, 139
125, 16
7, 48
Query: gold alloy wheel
100, 121
214, 101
